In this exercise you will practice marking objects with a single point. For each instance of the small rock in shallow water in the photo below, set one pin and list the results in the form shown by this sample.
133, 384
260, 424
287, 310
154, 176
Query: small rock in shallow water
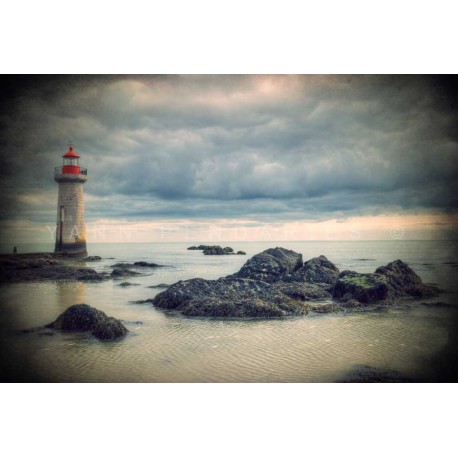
83, 318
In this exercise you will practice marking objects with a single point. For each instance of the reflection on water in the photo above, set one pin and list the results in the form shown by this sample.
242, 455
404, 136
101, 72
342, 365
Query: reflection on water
168, 348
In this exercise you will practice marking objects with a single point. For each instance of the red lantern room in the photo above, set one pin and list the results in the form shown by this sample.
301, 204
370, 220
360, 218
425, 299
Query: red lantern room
71, 165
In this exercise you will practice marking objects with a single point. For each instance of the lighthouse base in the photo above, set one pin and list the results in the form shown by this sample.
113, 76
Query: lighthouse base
75, 250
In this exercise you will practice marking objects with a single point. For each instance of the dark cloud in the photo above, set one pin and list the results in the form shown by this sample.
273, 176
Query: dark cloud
232, 146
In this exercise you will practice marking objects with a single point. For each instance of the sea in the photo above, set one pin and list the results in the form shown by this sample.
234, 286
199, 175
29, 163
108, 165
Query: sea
417, 341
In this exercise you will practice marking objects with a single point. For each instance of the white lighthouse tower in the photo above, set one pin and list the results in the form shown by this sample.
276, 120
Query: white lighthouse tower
71, 228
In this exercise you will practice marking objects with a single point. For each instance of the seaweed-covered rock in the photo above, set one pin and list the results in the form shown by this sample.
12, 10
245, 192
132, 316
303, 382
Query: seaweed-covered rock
271, 265
361, 287
84, 318
228, 297
318, 270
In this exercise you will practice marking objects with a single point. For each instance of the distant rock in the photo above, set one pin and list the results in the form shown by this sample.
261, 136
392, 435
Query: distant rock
92, 259
138, 264
125, 284
216, 250
84, 318
160, 285
123, 272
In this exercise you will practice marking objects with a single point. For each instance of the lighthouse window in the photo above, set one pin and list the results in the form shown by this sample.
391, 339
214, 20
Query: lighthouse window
71, 161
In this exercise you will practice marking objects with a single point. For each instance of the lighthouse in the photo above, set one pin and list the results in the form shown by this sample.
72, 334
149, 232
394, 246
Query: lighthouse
71, 229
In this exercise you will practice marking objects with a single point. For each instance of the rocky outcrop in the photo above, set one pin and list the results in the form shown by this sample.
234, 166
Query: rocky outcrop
276, 283
126, 284
215, 250
271, 265
84, 318
39, 267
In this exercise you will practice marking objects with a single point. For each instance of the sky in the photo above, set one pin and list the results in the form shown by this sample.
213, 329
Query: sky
234, 157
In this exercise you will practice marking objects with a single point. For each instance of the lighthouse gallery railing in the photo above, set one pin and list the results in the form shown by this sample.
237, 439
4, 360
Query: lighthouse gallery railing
58, 171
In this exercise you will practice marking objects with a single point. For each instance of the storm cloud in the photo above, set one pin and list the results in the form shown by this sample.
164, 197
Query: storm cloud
260, 147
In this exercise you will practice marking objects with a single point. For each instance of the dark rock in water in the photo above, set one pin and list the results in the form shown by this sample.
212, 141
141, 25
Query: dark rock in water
160, 285
318, 270
89, 275
142, 301
92, 259
215, 250
125, 284
201, 247
393, 281
146, 264
110, 329
38, 267
403, 281
78, 317
361, 287
123, 272
84, 318
127, 265
271, 265
229, 298
369, 374
241, 252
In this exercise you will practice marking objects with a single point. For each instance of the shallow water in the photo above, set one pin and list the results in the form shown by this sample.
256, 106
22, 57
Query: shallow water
168, 348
